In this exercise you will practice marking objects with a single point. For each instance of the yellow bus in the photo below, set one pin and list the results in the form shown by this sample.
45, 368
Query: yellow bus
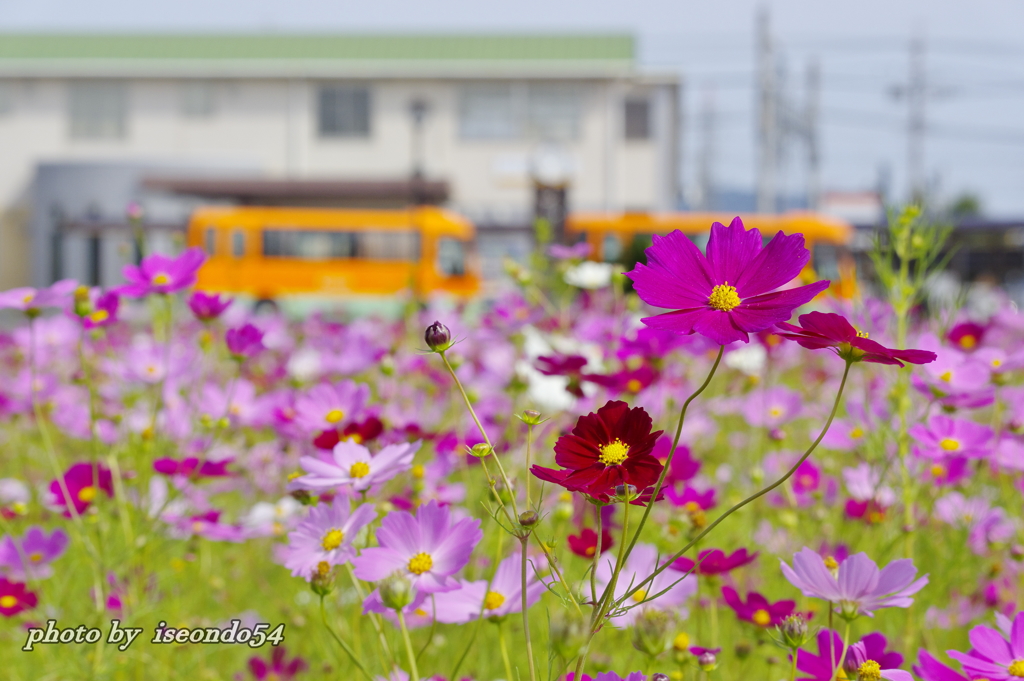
621, 237
275, 253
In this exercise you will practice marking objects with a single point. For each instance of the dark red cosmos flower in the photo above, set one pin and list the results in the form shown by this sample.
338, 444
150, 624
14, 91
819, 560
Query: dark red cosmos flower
585, 543
828, 330
608, 448
966, 335
15, 598
714, 562
757, 610
359, 433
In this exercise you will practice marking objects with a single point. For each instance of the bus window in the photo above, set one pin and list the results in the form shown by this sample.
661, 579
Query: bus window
388, 245
237, 244
308, 245
451, 257
611, 248
826, 261
211, 241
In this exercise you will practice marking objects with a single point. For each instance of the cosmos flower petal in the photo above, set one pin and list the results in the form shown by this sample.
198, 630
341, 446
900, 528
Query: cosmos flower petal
675, 269
828, 325
680, 321
731, 252
895, 576
858, 576
978, 666
400, 532
721, 327
990, 644
776, 265
376, 563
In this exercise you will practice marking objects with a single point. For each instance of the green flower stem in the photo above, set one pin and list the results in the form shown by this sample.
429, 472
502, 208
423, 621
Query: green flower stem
504, 651
529, 444
846, 647
558, 573
374, 618
341, 642
672, 451
753, 497
414, 672
792, 666
526, 617
595, 559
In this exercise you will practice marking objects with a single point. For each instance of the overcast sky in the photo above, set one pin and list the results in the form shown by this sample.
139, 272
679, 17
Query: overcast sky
974, 58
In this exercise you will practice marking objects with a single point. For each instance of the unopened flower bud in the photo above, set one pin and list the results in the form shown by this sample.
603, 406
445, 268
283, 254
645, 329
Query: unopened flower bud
302, 496
528, 518
396, 592
660, 677
1017, 552
794, 631
531, 417
742, 650
438, 337
568, 633
650, 631
481, 450
322, 582
625, 492
707, 661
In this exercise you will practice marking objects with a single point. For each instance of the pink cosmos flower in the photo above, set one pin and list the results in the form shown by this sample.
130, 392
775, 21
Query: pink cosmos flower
243, 342
31, 555
15, 598
327, 406
103, 311
642, 562
773, 407
354, 465
31, 301
729, 293
757, 609
326, 536
930, 669
821, 667
207, 307
966, 335
714, 562
190, 466
994, 655
607, 676
819, 330
858, 586
161, 274
944, 436
502, 596
427, 548
84, 483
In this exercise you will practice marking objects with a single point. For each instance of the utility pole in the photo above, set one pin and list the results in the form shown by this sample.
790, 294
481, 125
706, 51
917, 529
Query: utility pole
768, 129
811, 110
917, 95
707, 150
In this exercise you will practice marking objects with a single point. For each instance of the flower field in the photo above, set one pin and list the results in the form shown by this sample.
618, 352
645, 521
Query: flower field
706, 468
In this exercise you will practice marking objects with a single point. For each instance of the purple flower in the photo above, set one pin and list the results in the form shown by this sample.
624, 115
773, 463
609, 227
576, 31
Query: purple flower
244, 342
326, 406
944, 436
997, 656
820, 667
729, 293
190, 466
502, 596
31, 556
326, 537
859, 662
207, 307
354, 465
576, 251
858, 586
31, 301
714, 561
773, 407
84, 485
161, 274
642, 562
427, 548
828, 330
103, 311
607, 676
757, 609
930, 669
279, 668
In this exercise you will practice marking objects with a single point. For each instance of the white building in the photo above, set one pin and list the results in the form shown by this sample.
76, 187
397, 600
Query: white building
484, 114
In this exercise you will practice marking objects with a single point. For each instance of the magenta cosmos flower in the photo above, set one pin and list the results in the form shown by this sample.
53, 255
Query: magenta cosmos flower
102, 312
757, 609
427, 548
930, 669
608, 676
830, 648
944, 436
280, 668
15, 598
857, 586
243, 342
84, 483
714, 562
731, 292
608, 448
31, 301
828, 330
32, 554
503, 595
994, 655
207, 307
161, 274
354, 465
326, 537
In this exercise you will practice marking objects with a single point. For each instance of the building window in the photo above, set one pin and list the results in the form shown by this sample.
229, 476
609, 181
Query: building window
638, 119
344, 111
451, 257
198, 99
6, 99
238, 244
98, 111
508, 111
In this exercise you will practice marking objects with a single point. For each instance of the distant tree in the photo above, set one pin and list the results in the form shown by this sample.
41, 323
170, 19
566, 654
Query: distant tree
967, 205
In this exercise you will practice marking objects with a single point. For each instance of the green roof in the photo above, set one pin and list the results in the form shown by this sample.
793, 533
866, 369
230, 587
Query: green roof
315, 47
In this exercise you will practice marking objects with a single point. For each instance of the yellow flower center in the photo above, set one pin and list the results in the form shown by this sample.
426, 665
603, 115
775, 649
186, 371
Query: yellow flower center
946, 376
639, 596
418, 471
938, 471
420, 612
761, 618
323, 568
28, 298
633, 385
869, 671
968, 342
862, 334
333, 539
723, 297
1016, 668
856, 433
99, 316
775, 412
691, 506
360, 469
35, 557
8, 601
87, 494
420, 563
613, 454
832, 564
334, 415
161, 278
681, 641
493, 600
996, 363
949, 444
590, 550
